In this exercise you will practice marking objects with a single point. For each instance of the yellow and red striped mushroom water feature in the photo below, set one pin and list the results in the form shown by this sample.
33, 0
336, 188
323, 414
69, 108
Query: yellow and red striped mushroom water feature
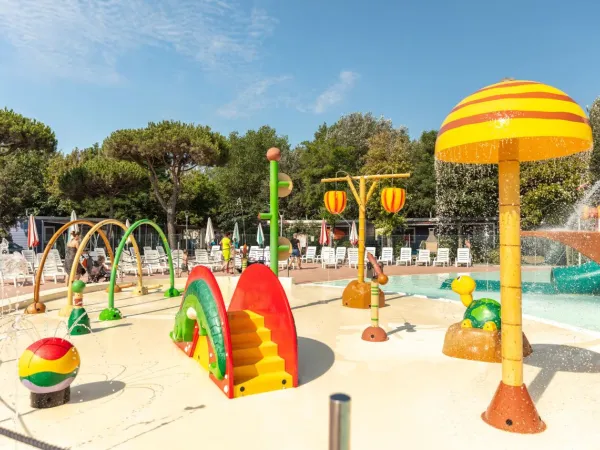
503, 124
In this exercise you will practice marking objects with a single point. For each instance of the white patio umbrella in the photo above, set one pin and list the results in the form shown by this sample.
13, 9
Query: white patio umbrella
236, 232
260, 237
73, 227
323, 237
128, 224
353, 235
33, 239
210, 233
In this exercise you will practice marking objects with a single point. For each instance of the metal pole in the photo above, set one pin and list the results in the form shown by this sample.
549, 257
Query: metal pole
339, 422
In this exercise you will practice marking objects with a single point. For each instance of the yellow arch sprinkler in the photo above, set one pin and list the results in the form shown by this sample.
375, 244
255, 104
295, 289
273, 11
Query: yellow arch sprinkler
358, 293
503, 124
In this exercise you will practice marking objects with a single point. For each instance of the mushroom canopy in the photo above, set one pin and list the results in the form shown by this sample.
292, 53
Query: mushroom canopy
541, 120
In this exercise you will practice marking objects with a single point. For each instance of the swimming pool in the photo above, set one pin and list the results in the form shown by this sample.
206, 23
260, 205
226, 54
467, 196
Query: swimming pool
581, 311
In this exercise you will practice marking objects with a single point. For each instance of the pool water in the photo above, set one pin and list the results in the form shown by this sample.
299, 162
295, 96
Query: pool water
539, 297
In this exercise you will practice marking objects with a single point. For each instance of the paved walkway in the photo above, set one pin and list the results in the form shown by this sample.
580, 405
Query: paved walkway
136, 390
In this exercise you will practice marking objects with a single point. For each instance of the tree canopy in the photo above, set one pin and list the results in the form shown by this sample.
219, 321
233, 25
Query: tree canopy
167, 150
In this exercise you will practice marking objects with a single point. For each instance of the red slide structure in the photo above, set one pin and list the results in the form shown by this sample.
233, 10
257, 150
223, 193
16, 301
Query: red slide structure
248, 349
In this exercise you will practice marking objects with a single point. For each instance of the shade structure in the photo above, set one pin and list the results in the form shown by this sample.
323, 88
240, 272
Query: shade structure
236, 232
353, 234
260, 236
546, 122
74, 227
324, 235
33, 239
506, 123
210, 232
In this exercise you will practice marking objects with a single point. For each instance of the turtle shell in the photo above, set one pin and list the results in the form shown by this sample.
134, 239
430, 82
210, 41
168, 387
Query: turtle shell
483, 310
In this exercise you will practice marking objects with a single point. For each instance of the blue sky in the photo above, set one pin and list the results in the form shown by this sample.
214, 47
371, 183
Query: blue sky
89, 67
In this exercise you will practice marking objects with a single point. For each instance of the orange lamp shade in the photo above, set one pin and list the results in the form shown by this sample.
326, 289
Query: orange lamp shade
335, 201
392, 199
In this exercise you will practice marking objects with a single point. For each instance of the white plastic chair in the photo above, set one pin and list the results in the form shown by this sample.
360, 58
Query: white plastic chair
324, 251
328, 258
463, 256
52, 270
387, 255
353, 257
311, 254
340, 255
405, 256
442, 257
424, 257
371, 250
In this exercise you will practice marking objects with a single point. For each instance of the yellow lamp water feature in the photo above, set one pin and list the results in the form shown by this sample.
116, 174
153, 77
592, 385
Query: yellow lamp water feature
504, 124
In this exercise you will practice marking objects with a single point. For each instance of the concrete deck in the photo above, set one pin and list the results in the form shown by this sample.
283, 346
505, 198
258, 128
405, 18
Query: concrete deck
136, 390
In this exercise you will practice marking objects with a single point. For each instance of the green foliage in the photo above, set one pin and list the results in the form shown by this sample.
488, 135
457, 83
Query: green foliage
421, 186
166, 150
26, 146
466, 190
388, 153
243, 182
97, 186
19, 133
549, 189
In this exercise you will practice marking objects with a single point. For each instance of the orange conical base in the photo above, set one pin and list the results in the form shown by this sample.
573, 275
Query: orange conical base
512, 409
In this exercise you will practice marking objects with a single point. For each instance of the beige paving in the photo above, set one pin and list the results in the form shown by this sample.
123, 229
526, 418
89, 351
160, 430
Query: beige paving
136, 390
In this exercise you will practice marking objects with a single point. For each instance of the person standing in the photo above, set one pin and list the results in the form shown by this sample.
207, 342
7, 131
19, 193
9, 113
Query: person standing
71, 251
296, 251
226, 249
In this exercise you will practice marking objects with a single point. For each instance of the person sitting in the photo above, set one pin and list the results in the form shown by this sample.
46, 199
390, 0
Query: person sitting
98, 271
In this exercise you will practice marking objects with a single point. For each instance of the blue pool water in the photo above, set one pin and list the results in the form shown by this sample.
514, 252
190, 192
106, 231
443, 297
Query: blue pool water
539, 298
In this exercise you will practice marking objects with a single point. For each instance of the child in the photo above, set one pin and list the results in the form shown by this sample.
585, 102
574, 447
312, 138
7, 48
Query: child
226, 249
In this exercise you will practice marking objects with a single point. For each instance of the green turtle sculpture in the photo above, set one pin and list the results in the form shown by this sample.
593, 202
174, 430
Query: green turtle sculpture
483, 313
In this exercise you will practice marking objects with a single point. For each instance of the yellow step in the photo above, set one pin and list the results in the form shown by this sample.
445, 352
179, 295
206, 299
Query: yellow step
263, 383
242, 321
266, 365
250, 339
245, 356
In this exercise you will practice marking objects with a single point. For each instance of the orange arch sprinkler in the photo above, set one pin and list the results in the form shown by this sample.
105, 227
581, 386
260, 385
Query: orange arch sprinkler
506, 123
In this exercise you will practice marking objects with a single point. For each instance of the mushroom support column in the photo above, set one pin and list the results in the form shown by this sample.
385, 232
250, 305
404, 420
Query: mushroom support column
510, 265
512, 405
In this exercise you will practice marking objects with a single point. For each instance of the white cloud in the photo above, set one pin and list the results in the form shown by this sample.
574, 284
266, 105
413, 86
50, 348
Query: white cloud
86, 39
336, 92
254, 98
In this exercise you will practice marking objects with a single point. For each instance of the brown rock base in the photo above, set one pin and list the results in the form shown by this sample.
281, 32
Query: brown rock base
512, 409
374, 334
476, 344
358, 295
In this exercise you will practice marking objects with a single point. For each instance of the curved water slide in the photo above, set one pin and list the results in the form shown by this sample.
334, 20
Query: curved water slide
247, 349
583, 279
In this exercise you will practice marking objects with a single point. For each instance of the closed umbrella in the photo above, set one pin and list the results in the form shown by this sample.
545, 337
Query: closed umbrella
323, 237
236, 232
260, 237
210, 233
74, 227
128, 224
32, 235
353, 235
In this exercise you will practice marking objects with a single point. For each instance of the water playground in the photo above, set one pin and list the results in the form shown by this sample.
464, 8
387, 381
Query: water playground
252, 360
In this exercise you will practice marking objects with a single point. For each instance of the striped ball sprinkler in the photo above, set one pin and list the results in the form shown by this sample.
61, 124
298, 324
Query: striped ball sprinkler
375, 333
